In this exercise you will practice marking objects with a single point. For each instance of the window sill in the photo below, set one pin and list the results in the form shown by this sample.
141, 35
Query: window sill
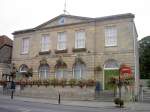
44, 52
79, 49
110, 46
61, 51
24, 53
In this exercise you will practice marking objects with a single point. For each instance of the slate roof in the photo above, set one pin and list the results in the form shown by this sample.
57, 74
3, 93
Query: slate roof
4, 40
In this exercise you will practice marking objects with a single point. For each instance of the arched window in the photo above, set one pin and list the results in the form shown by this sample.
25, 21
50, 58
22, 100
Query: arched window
79, 71
43, 71
60, 69
23, 68
79, 68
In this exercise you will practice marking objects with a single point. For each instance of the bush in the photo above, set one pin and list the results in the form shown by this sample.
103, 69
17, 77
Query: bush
54, 82
90, 82
81, 83
119, 102
63, 82
148, 83
72, 82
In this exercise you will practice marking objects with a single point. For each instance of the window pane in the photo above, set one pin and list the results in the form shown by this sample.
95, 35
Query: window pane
25, 45
110, 36
80, 39
44, 71
59, 73
45, 43
61, 45
79, 71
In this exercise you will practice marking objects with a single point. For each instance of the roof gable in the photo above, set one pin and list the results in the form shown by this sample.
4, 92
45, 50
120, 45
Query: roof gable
65, 19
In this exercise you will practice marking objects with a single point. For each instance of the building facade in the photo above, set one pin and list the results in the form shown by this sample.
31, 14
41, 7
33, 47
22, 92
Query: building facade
5, 55
77, 47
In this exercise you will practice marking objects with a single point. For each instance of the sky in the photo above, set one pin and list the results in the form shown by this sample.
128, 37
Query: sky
23, 14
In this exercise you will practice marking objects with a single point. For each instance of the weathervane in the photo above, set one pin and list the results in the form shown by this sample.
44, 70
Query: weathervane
65, 10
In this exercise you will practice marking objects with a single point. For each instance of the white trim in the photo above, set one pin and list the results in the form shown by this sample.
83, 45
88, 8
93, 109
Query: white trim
111, 68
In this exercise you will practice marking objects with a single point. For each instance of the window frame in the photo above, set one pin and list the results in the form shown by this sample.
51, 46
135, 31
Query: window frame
43, 71
78, 39
45, 41
111, 36
82, 71
23, 49
61, 44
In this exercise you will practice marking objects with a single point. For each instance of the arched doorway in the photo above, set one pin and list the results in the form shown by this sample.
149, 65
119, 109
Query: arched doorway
111, 69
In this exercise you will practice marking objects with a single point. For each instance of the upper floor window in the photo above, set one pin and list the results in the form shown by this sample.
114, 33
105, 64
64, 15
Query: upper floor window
25, 46
80, 39
45, 43
111, 36
61, 45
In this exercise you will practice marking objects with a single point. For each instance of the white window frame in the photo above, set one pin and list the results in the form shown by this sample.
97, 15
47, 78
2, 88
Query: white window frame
44, 71
25, 45
45, 42
80, 39
62, 41
62, 73
81, 71
110, 36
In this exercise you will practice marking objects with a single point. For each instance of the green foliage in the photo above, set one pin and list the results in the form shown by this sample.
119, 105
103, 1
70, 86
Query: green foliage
72, 82
144, 56
119, 102
148, 83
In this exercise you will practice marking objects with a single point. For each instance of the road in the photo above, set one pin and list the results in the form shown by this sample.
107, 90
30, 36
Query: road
8, 105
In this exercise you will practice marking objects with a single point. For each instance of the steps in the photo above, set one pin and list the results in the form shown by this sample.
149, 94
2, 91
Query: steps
146, 96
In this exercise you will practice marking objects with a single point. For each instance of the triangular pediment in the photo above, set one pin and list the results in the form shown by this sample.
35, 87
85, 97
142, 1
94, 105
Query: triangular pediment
63, 20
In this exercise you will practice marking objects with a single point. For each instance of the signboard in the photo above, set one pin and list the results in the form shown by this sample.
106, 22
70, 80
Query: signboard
125, 70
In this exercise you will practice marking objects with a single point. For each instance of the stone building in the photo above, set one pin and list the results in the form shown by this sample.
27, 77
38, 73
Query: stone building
70, 46
5, 54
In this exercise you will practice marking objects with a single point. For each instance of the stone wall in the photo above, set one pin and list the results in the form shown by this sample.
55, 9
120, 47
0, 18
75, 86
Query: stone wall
67, 93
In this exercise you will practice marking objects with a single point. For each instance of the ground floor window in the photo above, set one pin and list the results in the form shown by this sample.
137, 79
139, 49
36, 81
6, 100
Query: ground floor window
79, 71
44, 71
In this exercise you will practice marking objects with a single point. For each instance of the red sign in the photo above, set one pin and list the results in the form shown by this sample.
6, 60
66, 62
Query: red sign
125, 70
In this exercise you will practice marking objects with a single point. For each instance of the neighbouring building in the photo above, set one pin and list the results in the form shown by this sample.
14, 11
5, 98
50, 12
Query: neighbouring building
77, 47
5, 54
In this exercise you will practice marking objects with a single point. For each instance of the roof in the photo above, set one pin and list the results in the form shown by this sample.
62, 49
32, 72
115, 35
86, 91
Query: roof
4, 40
87, 19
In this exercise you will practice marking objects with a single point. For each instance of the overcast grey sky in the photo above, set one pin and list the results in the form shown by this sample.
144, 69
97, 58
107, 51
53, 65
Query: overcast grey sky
24, 14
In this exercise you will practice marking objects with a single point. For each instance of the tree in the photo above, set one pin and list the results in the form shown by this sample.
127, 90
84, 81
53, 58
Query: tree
144, 56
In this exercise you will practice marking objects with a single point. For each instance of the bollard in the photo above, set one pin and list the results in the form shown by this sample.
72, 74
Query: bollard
12, 94
58, 98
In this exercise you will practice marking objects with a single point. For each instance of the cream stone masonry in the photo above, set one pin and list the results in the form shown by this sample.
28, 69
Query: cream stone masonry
93, 55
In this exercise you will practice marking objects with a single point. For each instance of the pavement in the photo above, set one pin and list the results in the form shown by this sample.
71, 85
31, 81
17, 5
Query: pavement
93, 104
96, 105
